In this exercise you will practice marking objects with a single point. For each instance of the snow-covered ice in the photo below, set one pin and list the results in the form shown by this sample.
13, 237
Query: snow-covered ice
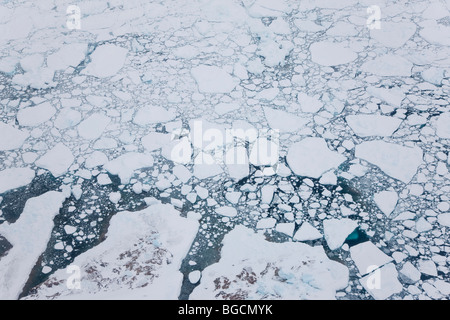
311, 157
337, 230
397, 161
29, 236
246, 271
13, 178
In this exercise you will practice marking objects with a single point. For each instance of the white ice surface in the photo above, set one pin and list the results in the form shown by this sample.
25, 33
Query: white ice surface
125, 165
57, 160
34, 116
140, 259
331, 53
10, 137
395, 160
212, 79
337, 230
367, 256
312, 158
307, 232
386, 201
388, 283
106, 61
13, 178
252, 268
29, 236
366, 125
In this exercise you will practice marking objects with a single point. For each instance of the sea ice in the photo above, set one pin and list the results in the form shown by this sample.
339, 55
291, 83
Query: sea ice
395, 160
13, 178
11, 138
252, 268
312, 158
106, 61
212, 79
366, 125
57, 160
29, 236
337, 230
331, 53
367, 256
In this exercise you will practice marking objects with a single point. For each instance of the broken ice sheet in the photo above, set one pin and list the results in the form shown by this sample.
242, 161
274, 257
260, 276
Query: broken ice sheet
105, 116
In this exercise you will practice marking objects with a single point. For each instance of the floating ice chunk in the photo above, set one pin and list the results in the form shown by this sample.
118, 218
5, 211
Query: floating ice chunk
106, 61
393, 34
267, 192
8, 64
205, 166
386, 201
274, 53
182, 173
57, 160
233, 197
367, 256
307, 233
13, 178
10, 137
427, 267
308, 26
308, 103
328, 178
125, 165
266, 223
34, 116
435, 33
286, 228
186, 52
366, 125
410, 273
388, 282
444, 219
267, 94
223, 108
70, 229
194, 276
153, 114
388, 65
433, 75
331, 53
443, 125
157, 234
96, 159
155, 140
29, 236
237, 162
93, 127
312, 158
266, 8
67, 118
392, 96
284, 121
105, 143
395, 160
227, 211
337, 230
251, 264
422, 225
69, 55
212, 79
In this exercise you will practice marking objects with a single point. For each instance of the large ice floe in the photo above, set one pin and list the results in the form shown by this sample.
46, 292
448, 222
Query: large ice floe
224, 149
